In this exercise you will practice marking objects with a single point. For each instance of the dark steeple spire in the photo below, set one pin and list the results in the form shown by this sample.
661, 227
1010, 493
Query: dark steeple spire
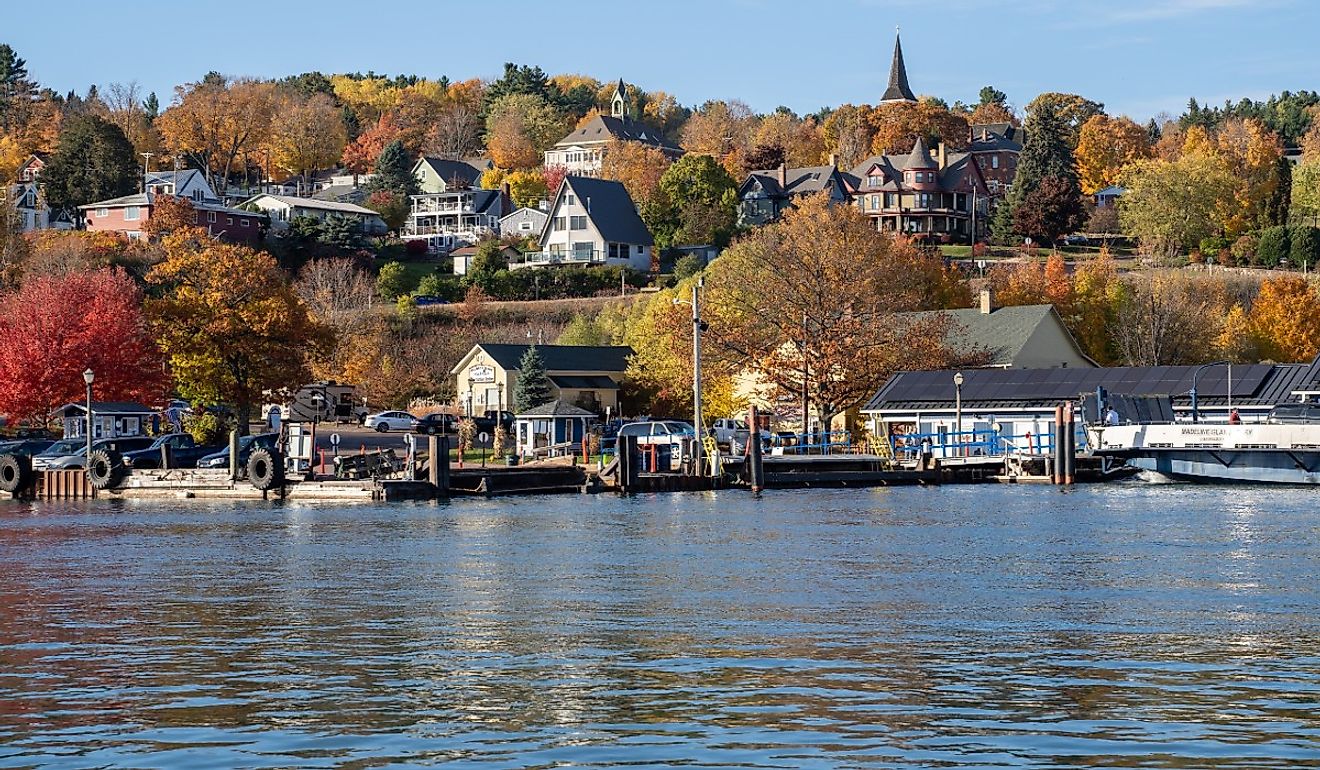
898, 90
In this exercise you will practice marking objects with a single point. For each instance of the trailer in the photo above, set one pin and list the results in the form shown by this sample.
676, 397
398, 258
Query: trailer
327, 401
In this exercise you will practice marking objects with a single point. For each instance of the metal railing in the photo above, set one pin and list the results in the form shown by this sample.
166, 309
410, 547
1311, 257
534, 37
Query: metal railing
580, 257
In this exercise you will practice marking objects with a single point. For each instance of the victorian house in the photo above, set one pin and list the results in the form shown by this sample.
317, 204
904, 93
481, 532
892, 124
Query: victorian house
581, 152
764, 195
942, 197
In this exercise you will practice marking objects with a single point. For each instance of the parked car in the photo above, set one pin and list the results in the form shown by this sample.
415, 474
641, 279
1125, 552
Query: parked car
437, 424
26, 447
387, 421
77, 458
183, 450
670, 432
245, 446
486, 423
422, 300
1077, 240
1294, 414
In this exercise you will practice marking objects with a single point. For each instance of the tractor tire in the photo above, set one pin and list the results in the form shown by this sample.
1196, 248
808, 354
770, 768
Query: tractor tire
265, 469
15, 473
105, 468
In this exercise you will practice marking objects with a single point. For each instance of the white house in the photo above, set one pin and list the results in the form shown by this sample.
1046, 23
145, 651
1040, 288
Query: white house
437, 175
451, 220
283, 208
593, 222
582, 150
187, 183
33, 211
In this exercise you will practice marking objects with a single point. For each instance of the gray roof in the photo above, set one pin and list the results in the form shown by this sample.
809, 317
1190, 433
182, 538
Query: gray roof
920, 156
1256, 385
177, 178
610, 208
312, 203
563, 358
449, 170
342, 193
898, 89
136, 199
989, 141
1112, 190
106, 407
1006, 131
527, 211
1003, 332
957, 166
602, 128
584, 382
798, 181
557, 408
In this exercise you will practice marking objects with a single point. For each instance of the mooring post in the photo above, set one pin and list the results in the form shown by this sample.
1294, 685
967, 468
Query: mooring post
1058, 444
755, 470
233, 455
1070, 445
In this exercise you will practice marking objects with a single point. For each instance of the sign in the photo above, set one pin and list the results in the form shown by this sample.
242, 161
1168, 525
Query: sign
483, 437
334, 439
481, 374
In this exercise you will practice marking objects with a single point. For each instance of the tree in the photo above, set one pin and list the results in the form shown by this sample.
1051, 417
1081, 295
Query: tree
701, 197
533, 386
1273, 247
1172, 205
94, 162
1306, 191
16, 90
486, 265
688, 266
456, 129
1285, 319
124, 107
1071, 110
307, 134
230, 324
336, 289
1304, 246
54, 327
394, 172
811, 301
393, 207
1163, 322
848, 134
638, 166
362, 153
584, 330
722, 130
520, 128
1253, 153
896, 126
1104, 146
527, 187
764, 156
1050, 211
170, 214
392, 281
801, 140
217, 120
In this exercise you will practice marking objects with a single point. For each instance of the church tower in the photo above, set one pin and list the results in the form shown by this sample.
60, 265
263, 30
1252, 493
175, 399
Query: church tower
898, 90
619, 102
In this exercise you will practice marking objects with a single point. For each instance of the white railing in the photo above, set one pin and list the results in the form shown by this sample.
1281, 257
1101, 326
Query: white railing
470, 233
580, 257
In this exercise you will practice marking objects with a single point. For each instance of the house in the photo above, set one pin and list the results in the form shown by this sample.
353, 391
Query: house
1019, 337
526, 221
584, 375
110, 419
283, 208
463, 257
129, 214
995, 147
185, 183
582, 151
764, 195
554, 428
30, 202
593, 222
453, 219
898, 91
438, 175
1109, 196
942, 197
1022, 401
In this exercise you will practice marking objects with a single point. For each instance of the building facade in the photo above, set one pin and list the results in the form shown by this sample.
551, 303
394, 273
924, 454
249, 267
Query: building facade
128, 215
282, 209
451, 220
582, 151
586, 376
593, 222
765, 195
941, 198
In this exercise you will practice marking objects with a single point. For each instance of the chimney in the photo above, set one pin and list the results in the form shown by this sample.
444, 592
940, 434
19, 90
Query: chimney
783, 175
834, 159
943, 156
987, 302
506, 200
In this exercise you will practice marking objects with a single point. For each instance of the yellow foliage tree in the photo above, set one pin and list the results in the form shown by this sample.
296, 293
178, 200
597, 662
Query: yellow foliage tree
1104, 146
217, 120
638, 166
306, 134
1285, 319
368, 98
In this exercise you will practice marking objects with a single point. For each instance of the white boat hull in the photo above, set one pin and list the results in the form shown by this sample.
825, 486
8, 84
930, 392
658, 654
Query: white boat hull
1255, 454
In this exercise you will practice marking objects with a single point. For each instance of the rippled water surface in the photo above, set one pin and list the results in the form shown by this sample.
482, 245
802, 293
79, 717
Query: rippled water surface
1133, 626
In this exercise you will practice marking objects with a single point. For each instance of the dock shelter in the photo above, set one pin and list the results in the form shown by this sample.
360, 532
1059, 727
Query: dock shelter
552, 429
1017, 403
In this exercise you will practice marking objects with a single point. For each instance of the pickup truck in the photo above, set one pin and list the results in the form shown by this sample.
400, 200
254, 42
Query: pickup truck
184, 452
728, 429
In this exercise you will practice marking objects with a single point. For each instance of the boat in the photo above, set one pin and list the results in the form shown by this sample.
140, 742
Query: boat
1273, 452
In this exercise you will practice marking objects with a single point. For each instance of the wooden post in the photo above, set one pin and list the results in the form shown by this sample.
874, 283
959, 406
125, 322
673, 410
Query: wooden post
233, 455
755, 466
166, 457
1058, 445
1070, 445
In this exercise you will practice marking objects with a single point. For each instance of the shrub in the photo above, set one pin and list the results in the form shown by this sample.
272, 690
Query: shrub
414, 249
1243, 250
391, 280
1304, 246
1213, 245
688, 266
1273, 248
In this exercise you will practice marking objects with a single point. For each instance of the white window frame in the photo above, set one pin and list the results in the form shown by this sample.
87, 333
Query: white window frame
102, 213
210, 216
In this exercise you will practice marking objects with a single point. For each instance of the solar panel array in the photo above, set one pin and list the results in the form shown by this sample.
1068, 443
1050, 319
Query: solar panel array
1060, 384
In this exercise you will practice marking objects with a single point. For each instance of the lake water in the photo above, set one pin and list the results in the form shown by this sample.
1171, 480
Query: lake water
1131, 625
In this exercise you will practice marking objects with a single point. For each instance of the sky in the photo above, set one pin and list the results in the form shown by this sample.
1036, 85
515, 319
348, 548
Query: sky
1137, 57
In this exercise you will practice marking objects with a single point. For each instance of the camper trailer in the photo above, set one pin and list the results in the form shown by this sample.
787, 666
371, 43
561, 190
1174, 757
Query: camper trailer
319, 402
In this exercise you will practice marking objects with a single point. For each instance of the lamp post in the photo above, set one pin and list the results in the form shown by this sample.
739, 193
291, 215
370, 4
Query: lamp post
957, 409
1196, 413
88, 376
698, 326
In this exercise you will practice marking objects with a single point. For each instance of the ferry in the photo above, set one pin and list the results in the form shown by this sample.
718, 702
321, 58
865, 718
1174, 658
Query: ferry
1285, 449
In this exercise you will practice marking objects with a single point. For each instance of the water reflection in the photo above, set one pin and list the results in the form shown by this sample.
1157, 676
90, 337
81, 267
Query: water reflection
1160, 626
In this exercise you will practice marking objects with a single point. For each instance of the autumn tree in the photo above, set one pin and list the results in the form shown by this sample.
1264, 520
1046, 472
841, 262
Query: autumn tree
230, 324
801, 140
848, 134
1050, 211
1071, 110
638, 166
697, 203
527, 187
819, 293
1163, 321
456, 129
1045, 201
54, 327
337, 290
94, 162
361, 154
1104, 146
124, 107
1285, 319
722, 130
216, 121
520, 128
1306, 191
896, 126
1252, 152
170, 214
307, 134
1098, 293
1171, 205
993, 107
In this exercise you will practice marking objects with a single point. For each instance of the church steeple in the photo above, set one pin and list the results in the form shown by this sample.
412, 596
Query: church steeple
619, 102
898, 90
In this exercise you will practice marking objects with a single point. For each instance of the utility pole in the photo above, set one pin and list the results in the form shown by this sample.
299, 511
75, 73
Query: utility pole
806, 426
697, 325
146, 168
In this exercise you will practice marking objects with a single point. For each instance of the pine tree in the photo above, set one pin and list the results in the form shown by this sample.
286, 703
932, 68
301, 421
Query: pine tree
1046, 155
394, 171
15, 87
533, 387
94, 162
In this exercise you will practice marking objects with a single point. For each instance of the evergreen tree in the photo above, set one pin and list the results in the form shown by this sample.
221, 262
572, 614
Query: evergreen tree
533, 386
1046, 155
151, 105
15, 87
1280, 200
94, 162
394, 171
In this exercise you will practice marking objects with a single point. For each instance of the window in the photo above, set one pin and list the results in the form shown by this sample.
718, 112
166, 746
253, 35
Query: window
210, 216
568, 199
994, 161
229, 220
102, 213
132, 212
889, 200
577, 223
614, 251
559, 223
243, 223
875, 202
875, 180
524, 225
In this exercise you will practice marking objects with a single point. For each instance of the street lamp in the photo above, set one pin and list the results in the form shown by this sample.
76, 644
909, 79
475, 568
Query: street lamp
88, 376
1196, 414
698, 326
957, 408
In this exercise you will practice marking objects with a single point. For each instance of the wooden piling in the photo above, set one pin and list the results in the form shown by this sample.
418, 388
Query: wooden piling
755, 464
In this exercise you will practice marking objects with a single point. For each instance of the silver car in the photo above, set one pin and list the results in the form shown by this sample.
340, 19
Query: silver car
387, 421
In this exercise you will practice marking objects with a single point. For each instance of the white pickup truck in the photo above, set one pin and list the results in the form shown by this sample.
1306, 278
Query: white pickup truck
732, 433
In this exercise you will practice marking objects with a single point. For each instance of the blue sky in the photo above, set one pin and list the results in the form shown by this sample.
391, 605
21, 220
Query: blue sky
1138, 57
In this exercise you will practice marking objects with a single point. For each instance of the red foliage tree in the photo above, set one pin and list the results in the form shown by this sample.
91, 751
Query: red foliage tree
554, 176
360, 156
54, 327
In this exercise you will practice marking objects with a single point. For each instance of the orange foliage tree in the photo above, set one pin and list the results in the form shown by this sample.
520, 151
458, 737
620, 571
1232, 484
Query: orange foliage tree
638, 166
1104, 146
1285, 319
896, 127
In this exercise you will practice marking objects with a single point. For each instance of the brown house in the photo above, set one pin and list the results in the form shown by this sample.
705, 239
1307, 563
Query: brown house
943, 197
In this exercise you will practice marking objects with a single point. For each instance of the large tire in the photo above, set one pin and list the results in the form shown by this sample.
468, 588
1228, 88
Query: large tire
265, 469
105, 468
15, 473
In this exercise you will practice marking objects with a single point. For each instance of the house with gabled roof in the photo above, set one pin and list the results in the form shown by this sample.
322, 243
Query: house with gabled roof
593, 222
283, 208
585, 375
582, 151
453, 219
438, 175
941, 197
187, 183
129, 214
764, 195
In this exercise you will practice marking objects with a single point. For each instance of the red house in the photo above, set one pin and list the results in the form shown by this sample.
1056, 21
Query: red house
128, 215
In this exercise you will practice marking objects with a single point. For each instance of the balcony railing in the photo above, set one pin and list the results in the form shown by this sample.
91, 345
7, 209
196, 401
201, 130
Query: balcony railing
469, 232
425, 205
578, 257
